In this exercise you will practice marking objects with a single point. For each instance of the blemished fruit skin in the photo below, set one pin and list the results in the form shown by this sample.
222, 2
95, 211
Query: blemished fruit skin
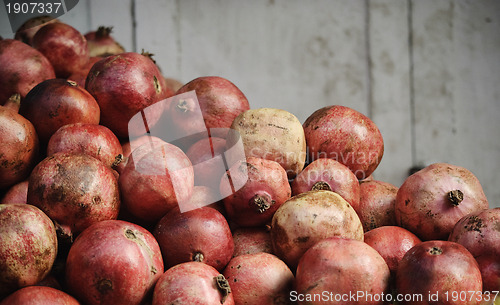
346, 135
113, 262
431, 201
22, 67
39, 295
341, 266
377, 202
436, 269
479, 232
251, 240
28, 246
192, 283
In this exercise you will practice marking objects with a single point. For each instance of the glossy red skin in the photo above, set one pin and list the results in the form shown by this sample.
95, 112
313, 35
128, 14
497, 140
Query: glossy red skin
207, 168
376, 204
345, 135
91, 139
27, 30
75, 191
204, 231
479, 232
305, 219
19, 149
220, 101
256, 177
342, 266
21, 68
392, 243
422, 205
259, 278
251, 240
81, 75
113, 262
58, 102
339, 178
123, 85
101, 43
39, 295
455, 269
156, 180
189, 283
64, 46
17, 193
28, 246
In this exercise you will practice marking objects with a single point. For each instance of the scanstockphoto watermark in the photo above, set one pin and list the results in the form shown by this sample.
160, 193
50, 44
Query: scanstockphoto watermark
19, 11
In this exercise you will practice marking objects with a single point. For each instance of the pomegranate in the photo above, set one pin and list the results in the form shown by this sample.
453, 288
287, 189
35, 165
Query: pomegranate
39, 295
56, 102
259, 278
28, 29
341, 268
346, 135
479, 232
17, 193
376, 204
192, 283
80, 76
200, 235
330, 175
219, 99
130, 146
392, 242
440, 272
271, 134
113, 262
21, 68
75, 191
262, 187
251, 240
431, 201
155, 180
28, 246
205, 196
101, 43
124, 85
206, 157
19, 149
307, 218
64, 46
91, 139
173, 84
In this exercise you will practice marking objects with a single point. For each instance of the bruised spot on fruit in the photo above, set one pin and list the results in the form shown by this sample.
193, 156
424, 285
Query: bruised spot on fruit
321, 186
223, 287
130, 234
436, 251
154, 270
104, 286
474, 224
302, 239
157, 84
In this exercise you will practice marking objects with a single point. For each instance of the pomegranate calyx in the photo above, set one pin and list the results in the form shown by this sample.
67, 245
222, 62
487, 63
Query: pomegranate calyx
198, 257
262, 202
436, 251
103, 32
118, 159
223, 287
321, 186
455, 197
14, 102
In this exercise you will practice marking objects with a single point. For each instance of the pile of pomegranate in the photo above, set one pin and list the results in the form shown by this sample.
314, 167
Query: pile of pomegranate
118, 185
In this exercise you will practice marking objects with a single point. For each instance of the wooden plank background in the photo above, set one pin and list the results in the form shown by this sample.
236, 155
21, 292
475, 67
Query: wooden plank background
427, 72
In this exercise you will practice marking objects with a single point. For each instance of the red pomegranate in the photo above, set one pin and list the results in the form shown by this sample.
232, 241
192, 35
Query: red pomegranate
205, 196
479, 232
64, 46
200, 235
431, 201
91, 139
330, 175
21, 68
75, 191
113, 262
252, 191
439, 272
124, 85
259, 278
341, 267
192, 283
17, 193
57, 102
101, 43
19, 149
251, 240
28, 29
346, 135
28, 246
376, 204
39, 295
80, 76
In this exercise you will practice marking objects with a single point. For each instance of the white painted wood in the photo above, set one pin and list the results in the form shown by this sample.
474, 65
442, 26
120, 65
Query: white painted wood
390, 86
457, 97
